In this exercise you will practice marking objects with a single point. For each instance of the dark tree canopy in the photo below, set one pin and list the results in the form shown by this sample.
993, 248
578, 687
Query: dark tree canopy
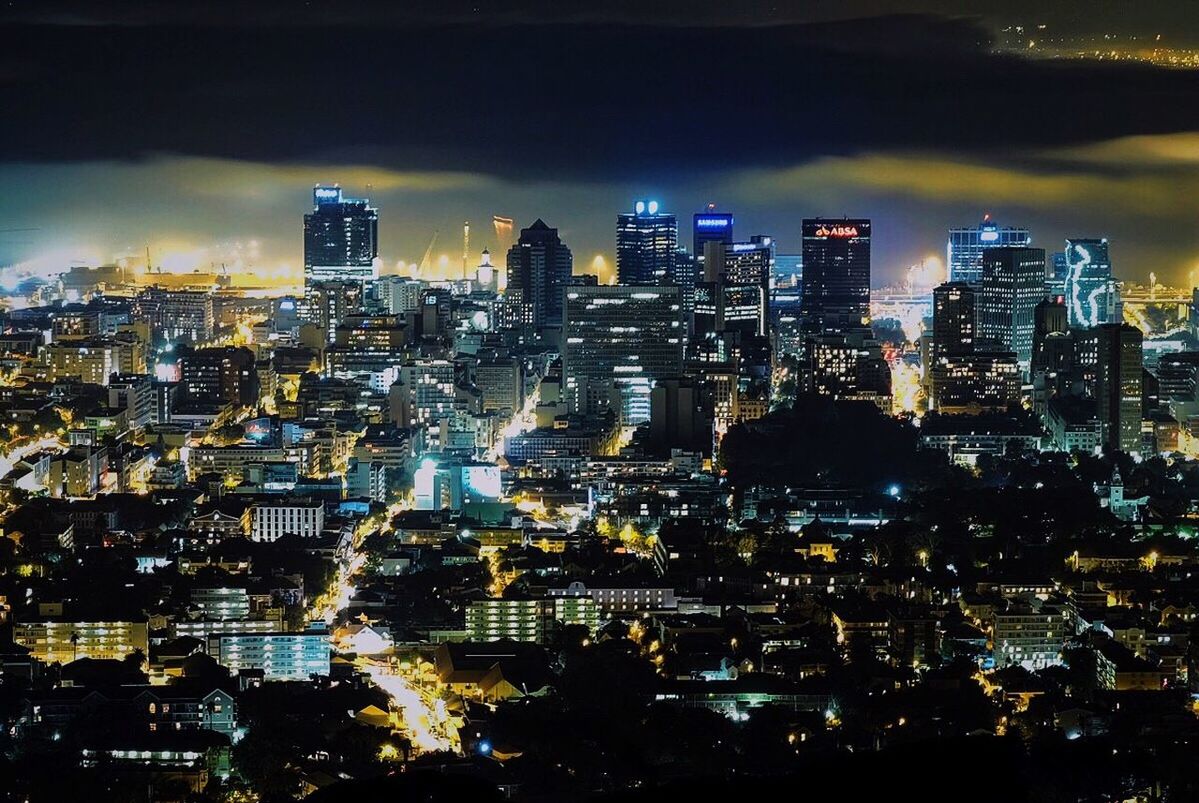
820, 441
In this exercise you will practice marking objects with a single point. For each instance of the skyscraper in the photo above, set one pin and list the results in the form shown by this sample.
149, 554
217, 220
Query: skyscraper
1013, 283
1092, 295
710, 226
953, 320
1049, 318
836, 275
964, 253
539, 267
620, 339
735, 286
646, 241
341, 238
1109, 356
958, 377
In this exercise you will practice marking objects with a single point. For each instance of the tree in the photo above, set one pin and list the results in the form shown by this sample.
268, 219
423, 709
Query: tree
135, 659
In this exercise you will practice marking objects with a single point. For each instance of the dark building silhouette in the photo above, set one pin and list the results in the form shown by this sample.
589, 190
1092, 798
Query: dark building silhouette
836, 275
539, 268
1109, 357
225, 375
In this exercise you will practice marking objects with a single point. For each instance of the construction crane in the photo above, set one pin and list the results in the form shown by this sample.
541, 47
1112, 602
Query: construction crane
424, 261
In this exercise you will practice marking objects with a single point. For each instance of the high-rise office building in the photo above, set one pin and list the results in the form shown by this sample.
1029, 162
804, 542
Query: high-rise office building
646, 241
539, 268
1013, 283
620, 339
1109, 357
964, 253
341, 238
953, 329
710, 226
836, 275
1092, 295
953, 320
734, 294
1049, 318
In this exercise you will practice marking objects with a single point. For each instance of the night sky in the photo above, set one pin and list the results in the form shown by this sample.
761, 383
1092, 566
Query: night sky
194, 125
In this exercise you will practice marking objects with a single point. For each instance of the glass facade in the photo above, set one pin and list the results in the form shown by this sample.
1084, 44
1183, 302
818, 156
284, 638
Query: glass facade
341, 238
836, 275
620, 338
1092, 295
964, 254
646, 242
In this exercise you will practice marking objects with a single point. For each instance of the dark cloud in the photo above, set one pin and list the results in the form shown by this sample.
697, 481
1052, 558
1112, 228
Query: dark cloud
582, 101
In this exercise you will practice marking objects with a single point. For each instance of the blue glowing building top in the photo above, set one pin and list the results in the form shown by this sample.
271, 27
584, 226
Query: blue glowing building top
964, 253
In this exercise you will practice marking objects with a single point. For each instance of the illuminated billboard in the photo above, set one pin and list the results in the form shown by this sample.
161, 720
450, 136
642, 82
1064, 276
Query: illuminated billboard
326, 195
258, 430
713, 220
836, 231
481, 483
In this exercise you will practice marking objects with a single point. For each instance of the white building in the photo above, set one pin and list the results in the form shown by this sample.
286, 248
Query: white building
281, 656
269, 521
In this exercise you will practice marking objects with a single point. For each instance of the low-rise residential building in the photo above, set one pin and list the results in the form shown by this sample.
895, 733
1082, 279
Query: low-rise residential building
280, 656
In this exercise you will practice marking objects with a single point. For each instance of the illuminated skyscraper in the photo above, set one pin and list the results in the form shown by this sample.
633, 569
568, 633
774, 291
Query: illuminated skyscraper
710, 226
1109, 356
735, 289
341, 238
1092, 295
616, 342
539, 267
646, 241
1013, 283
836, 275
964, 254
953, 320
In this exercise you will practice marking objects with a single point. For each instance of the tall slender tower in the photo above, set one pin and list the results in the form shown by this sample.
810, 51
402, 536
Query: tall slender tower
465, 245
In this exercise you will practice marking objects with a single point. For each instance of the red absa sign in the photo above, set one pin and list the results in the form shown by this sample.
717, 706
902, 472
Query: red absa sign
837, 231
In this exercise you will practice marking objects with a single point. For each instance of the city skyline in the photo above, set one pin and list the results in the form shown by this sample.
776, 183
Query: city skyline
439, 144
534, 400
